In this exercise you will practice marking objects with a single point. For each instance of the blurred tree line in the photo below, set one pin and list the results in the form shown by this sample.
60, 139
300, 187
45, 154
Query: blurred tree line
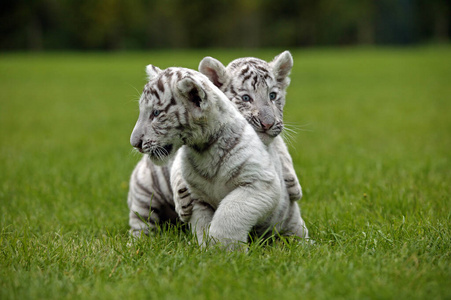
139, 24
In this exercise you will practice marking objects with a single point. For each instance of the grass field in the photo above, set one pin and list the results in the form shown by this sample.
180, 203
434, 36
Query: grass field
372, 151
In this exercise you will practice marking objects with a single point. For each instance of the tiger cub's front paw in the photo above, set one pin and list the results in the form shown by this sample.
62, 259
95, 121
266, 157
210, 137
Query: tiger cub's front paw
293, 188
184, 204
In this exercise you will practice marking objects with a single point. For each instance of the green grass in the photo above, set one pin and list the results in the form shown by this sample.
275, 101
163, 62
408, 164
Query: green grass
372, 151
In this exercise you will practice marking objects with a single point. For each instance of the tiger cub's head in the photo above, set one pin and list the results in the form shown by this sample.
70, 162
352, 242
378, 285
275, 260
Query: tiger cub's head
256, 87
172, 111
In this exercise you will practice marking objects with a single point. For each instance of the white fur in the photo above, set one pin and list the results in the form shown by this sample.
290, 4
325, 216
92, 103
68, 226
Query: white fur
150, 181
236, 185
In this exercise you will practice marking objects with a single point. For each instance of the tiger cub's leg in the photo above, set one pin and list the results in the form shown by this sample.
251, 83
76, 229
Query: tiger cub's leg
148, 198
234, 218
183, 202
294, 224
289, 174
182, 197
139, 199
201, 216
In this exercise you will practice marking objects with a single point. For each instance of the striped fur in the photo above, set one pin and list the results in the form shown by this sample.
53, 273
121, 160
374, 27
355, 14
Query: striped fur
264, 84
148, 181
235, 181
259, 80
150, 187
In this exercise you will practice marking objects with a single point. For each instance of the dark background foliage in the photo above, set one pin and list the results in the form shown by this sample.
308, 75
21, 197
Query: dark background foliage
148, 24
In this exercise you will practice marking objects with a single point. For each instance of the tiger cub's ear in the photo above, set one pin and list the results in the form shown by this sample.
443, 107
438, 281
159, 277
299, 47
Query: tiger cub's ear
214, 70
152, 71
194, 95
281, 66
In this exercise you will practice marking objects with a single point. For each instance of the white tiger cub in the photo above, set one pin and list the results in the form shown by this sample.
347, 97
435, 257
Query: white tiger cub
258, 90
228, 170
150, 197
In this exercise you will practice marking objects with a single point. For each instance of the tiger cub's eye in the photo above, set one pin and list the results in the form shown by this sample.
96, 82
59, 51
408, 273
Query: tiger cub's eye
246, 98
272, 96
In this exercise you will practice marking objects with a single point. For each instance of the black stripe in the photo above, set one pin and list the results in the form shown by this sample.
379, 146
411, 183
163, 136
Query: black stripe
261, 69
187, 205
156, 195
254, 81
169, 74
141, 186
244, 70
160, 84
231, 144
177, 117
172, 102
236, 171
142, 203
232, 90
186, 115
155, 69
155, 93
246, 78
186, 195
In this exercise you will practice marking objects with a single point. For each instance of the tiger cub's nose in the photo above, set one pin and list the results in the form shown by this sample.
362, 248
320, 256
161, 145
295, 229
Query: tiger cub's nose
266, 126
138, 145
136, 142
